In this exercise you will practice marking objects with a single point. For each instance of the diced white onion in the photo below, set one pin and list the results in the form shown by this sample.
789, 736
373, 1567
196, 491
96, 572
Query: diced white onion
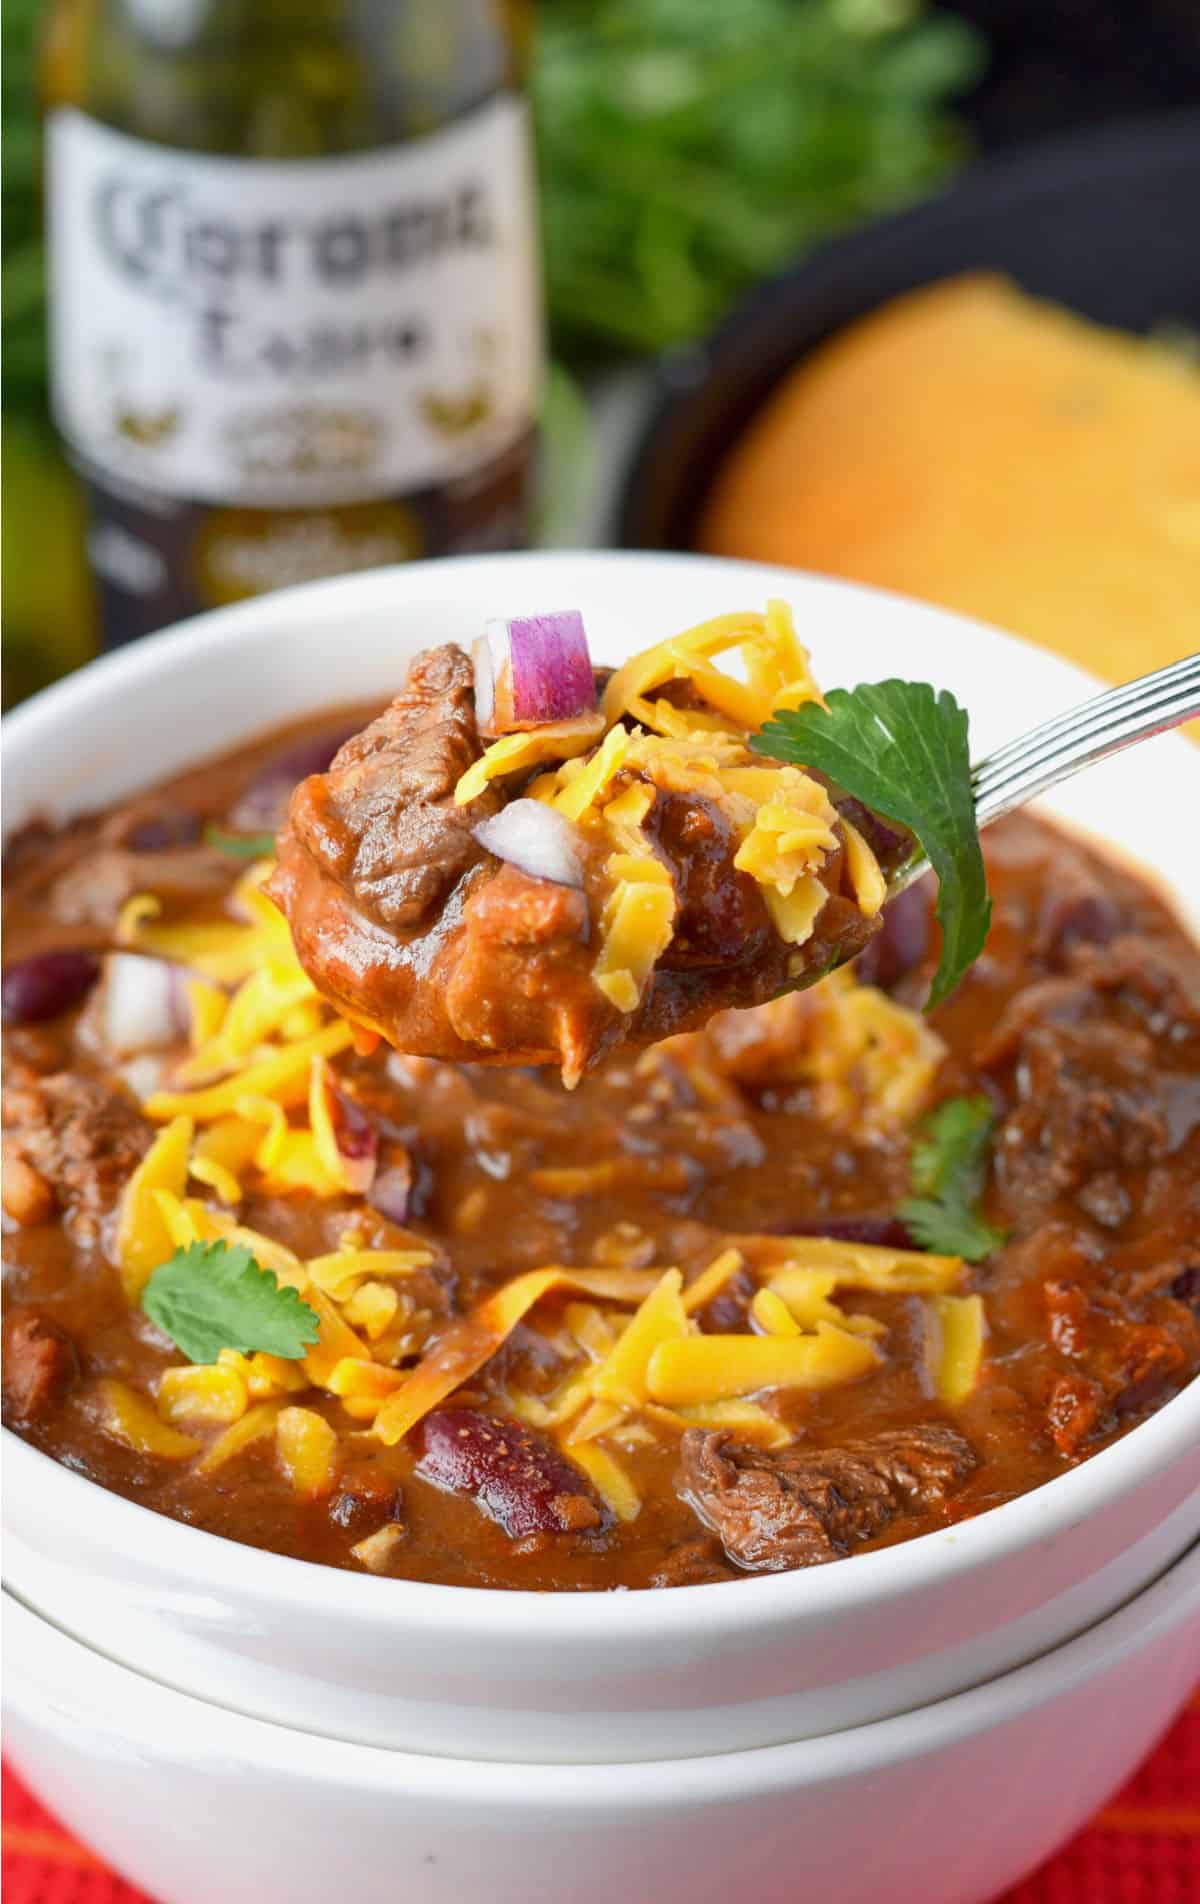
536, 838
143, 1004
485, 680
391, 1193
144, 1075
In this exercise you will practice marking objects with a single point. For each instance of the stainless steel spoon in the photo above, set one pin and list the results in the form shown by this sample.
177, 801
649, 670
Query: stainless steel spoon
1068, 743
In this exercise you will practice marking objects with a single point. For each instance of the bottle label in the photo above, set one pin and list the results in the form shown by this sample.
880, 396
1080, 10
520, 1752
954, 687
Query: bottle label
284, 334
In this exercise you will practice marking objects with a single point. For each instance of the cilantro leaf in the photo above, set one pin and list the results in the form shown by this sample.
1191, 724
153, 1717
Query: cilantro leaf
240, 845
902, 750
214, 1296
949, 1169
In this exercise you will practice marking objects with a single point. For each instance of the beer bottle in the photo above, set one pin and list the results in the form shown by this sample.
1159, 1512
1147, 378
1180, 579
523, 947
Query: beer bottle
295, 298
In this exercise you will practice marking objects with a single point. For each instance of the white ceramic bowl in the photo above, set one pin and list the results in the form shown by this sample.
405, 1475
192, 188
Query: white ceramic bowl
949, 1804
492, 1675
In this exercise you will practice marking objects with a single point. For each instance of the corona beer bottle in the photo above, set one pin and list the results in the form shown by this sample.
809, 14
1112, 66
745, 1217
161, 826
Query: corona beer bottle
294, 289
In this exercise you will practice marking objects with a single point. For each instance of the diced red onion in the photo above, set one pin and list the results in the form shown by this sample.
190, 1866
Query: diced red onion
391, 1192
46, 985
142, 1004
357, 1142
536, 838
262, 806
532, 670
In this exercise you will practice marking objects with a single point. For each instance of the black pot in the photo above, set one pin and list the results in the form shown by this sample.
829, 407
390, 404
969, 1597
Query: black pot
1107, 223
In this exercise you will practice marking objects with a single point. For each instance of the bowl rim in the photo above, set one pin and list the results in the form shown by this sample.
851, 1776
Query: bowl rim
163, 1711
874, 1578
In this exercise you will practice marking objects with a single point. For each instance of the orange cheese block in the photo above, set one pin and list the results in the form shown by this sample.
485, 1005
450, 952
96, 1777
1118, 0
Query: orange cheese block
972, 446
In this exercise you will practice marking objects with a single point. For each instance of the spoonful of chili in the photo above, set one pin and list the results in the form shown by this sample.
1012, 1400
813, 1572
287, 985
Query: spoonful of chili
526, 861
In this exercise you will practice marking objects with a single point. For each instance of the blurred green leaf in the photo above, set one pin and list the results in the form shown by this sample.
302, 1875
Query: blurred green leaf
688, 147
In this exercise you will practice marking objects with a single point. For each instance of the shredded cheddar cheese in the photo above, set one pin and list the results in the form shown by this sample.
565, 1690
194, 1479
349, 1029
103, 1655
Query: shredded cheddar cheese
307, 1448
855, 1265
714, 1368
712, 1280
213, 1394
773, 659
608, 1478
957, 1332
611, 768
748, 1420
622, 1376
255, 1425
143, 1237
283, 1076
636, 928
772, 1313
468, 1344
516, 753
130, 1418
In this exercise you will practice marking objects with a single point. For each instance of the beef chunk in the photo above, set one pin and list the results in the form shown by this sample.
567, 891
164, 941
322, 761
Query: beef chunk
83, 1137
1148, 1361
1124, 1364
1158, 982
1091, 1075
516, 1478
92, 891
1159, 979
1076, 910
514, 909
1090, 1101
693, 1563
801, 1507
40, 1366
1074, 1409
382, 822
367, 1496
520, 979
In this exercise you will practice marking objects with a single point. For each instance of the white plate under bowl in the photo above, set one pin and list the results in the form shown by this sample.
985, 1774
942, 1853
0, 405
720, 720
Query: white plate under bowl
949, 1804
490, 1675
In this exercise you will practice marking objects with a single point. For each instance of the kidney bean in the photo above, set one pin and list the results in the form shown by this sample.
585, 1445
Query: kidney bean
262, 805
46, 985
1186, 1287
172, 827
890, 842
367, 1495
1081, 915
519, 1480
903, 939
40, 1365
886, 1231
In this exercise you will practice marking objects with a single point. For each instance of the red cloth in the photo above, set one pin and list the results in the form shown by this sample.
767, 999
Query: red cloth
1143, 1848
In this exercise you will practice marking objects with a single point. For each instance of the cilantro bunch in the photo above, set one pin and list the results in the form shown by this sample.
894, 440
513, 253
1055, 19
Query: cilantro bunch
690, 147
